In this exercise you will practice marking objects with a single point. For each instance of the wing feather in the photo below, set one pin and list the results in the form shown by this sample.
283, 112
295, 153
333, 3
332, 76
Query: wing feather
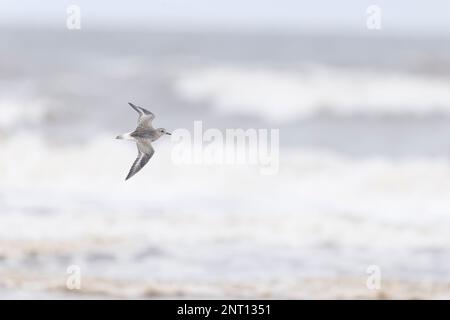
145, 152
145, 117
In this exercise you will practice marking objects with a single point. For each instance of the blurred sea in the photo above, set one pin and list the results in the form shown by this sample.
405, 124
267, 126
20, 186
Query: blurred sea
364, 174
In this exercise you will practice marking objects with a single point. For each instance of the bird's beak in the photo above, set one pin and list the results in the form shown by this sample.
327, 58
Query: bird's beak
168, 133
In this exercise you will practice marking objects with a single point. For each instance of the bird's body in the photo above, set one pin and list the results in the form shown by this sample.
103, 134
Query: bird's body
143, 135
152, 135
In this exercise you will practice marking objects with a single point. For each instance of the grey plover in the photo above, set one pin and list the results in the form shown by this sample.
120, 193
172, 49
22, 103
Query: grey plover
143, 135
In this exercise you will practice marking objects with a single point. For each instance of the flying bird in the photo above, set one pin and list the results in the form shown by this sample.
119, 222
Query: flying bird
143, 135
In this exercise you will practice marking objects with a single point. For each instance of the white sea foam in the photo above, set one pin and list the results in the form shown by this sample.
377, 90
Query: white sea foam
322, 211
20, 108
283, 95
410, 190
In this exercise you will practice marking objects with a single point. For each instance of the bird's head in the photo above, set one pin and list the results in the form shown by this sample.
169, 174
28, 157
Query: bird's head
162, 131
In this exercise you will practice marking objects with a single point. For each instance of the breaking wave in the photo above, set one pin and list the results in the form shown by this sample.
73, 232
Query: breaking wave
280, 96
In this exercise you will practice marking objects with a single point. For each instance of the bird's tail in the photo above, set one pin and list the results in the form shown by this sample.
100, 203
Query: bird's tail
125, 136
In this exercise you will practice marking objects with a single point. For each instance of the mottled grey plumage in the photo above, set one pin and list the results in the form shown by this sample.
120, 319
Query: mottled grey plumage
144, 134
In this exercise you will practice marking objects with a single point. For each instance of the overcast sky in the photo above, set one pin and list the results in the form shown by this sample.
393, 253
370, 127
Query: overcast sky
413, 16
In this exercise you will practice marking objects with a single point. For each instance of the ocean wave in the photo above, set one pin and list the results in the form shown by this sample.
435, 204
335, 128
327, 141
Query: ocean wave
90, 177
322, 212
20, 107
280, 96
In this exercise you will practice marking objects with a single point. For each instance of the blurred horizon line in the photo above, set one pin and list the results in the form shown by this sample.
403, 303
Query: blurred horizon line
345, 31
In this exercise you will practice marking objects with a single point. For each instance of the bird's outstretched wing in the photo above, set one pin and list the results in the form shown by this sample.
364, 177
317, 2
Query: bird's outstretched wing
145, 117
145, 152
